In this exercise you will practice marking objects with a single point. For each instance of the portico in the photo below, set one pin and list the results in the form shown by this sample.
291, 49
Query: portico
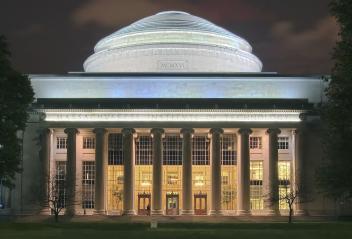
191, 170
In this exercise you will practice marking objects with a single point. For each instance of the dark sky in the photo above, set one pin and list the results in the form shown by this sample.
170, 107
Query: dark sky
56, 36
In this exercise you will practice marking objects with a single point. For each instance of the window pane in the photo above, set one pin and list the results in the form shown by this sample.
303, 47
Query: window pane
115, 149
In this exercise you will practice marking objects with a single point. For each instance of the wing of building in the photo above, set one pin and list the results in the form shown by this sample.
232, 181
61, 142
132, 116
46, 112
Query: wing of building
174, 116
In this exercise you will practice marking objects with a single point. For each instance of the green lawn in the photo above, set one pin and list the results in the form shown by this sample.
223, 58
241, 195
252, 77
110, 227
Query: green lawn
173, 230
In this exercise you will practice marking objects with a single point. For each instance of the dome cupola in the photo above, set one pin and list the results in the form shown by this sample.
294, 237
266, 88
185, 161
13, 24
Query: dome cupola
172, 41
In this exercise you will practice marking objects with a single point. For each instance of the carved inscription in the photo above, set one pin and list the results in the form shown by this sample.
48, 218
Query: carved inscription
172, 65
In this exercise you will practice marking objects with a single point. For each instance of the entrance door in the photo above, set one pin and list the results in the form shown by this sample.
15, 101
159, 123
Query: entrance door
200, 203
144, 203
172, 206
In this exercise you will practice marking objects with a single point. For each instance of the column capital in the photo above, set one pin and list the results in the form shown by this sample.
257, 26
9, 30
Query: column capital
216, 131
99, 130
187, 131
45, 131
71, 131
245, 131
157, 131
275, 131
127, 131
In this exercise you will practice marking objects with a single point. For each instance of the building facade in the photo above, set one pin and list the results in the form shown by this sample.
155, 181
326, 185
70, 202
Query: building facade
172, 116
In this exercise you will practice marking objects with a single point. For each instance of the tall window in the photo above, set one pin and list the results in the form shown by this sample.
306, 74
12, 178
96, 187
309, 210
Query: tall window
228, 150
284, 168
282, 142
256, 185
61, 142
88, 180
144, 153
255, 142
115, 149
172, 154
200, 150
88, 143
59, 188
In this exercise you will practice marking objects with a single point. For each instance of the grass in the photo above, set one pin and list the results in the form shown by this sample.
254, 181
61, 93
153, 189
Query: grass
177, 230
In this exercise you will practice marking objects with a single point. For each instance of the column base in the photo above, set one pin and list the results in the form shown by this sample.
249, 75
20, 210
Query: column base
129, 212
216, 213
157, 212
187, 212
300, 212
43, 211
244, 213
272, 212
99, 212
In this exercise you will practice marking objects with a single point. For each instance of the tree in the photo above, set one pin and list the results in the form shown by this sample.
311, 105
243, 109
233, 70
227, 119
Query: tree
334, 176
56, 196
290, 196
16, 94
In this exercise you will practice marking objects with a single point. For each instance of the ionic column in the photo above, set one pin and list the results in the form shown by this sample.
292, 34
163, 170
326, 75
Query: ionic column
45, 141
244, 173
271, 201
128, 188
100, 172
216, 171
157, 171
186, 135
71, 170
298, 137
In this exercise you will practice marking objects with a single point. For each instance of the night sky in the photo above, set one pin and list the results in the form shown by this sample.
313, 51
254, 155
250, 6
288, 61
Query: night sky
47, 36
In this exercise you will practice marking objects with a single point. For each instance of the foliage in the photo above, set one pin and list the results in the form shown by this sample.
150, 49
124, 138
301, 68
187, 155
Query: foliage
334, 176
16, 94
289, 196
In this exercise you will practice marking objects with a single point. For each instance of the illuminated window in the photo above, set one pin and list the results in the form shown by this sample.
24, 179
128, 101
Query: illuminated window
257, 202
225, 179
199, 179
284, 168
172, 154
88, 143
59, 188
119, 178
146, 179
282, 143
256, 170
172, 178
200, 150
284, 173
256, 185
61, 142
88, 180
255, 142
144, 150
228, 150
115, 149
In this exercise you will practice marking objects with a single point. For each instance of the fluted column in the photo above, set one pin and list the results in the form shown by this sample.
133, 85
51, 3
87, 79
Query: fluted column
71, 171
216, 170
100, 173
271, 201
128, 188
244, 173
187, 171
298, 137
45, 141
157, 171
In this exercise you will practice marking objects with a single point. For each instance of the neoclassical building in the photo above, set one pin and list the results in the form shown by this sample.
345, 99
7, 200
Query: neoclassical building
171, 113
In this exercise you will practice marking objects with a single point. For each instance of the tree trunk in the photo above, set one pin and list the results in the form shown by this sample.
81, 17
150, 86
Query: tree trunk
56, 217
290, 215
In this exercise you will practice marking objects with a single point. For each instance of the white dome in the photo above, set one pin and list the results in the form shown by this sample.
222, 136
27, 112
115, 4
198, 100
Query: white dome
172, 41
